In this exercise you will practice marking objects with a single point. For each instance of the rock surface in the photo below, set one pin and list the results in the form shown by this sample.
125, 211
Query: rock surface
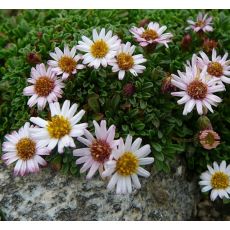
52, 196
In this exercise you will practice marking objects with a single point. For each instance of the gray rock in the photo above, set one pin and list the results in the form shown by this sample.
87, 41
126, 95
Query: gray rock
52, 196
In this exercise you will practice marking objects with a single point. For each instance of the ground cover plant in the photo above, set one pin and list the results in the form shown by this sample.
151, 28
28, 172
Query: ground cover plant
142, 105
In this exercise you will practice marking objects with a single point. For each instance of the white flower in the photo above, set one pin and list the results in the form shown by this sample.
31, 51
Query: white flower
196, 89
202, 23
46, 87
153, 34
98, 149
218, 67
216, 179
27, 151
62, 126
125, 61
65, 63
100, 50
126, 165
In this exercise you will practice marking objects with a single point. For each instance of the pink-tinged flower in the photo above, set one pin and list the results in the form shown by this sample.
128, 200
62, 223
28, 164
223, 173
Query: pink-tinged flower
125, 61
209, 139
154, 34
125, 164
46, 87
216, 179
218, 67
100, 50
65, 63
61, 128
27, 151
197, 89
98, 148
202, 23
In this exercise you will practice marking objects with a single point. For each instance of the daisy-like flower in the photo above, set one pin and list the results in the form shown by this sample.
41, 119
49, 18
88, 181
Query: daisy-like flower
216, 179
125, 61
65, 63
154, 34
98, 149
61, 128
197, 89
46, 87
125, 165
218, 67
202, 23
100, 50
27, 151
209, 139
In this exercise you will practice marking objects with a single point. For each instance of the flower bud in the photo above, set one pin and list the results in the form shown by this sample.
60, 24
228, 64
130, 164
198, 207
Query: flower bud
39, 34
144, 22
167, 86
129, 89
209, 45
203, 123
56, 163
186, 41
33, 58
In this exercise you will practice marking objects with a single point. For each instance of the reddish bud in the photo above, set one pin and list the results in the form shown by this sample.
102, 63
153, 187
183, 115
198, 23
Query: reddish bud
33, 58
186, 41
39, 34
167, 86
129, 89
209, 45
144, 22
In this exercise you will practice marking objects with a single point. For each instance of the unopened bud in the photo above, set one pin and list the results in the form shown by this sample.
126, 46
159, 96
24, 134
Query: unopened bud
167, 86
186, 41
129, 89
209, 45
144, 22
33, 58
203, 123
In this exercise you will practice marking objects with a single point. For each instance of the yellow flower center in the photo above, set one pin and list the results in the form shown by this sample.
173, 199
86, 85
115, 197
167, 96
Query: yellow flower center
149, 34
220, 180
125, 61
67, 64
127, 164
100, 150
209, 139
26, 149
44, 86
200, 23
99, 49
215, 69
58, 127
197, 90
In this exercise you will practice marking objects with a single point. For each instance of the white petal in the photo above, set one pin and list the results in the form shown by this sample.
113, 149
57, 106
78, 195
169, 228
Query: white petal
143, 151
84, 141
39, 121
146, 160
112, 182
128, 143
136, 181
142, 172
136, 144
92, 170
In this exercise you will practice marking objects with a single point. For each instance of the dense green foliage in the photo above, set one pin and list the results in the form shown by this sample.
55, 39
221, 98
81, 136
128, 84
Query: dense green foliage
148, 113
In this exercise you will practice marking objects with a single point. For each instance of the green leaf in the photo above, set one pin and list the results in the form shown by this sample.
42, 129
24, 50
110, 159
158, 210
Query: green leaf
157, 147
94, 103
